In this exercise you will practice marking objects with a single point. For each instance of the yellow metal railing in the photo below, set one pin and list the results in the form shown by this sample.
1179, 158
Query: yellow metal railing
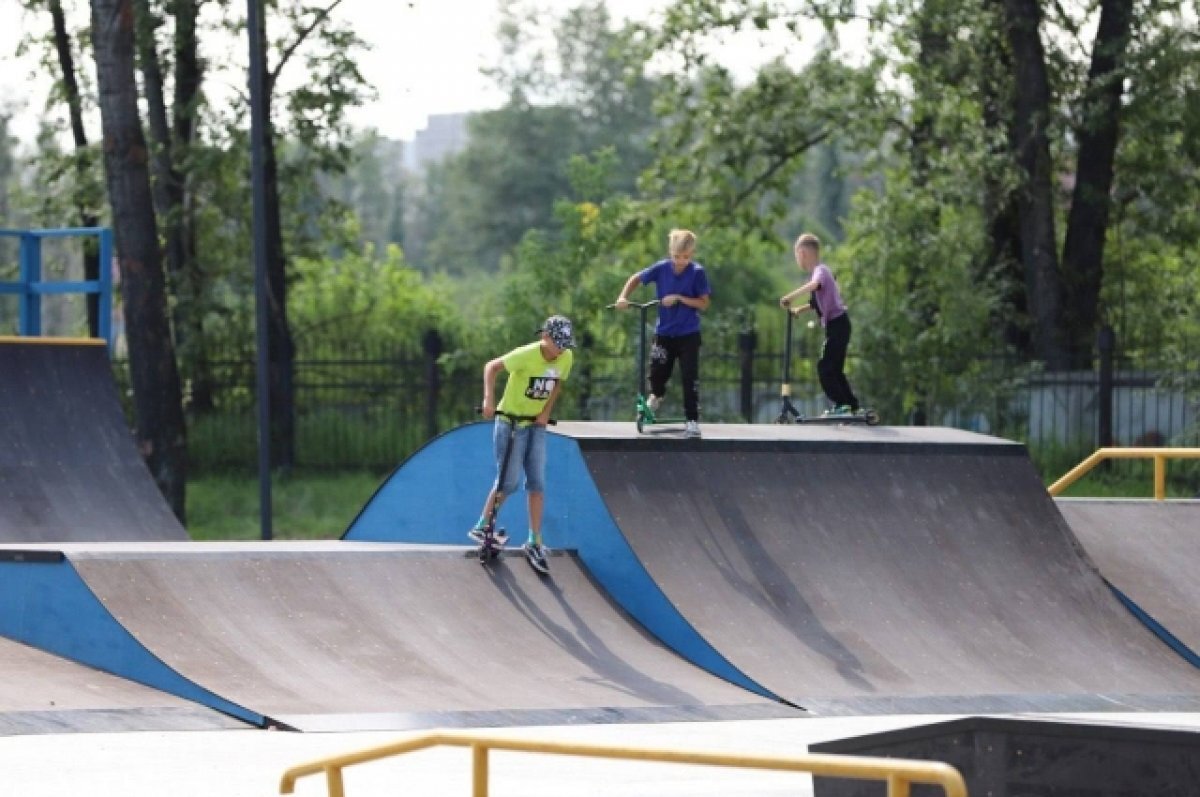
898, 774
1159, 455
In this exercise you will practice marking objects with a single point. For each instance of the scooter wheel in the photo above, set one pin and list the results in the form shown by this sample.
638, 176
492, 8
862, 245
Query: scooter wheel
641, 422
871, 417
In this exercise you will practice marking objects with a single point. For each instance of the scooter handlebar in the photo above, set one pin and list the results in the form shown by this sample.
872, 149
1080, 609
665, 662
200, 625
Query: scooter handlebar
650, 303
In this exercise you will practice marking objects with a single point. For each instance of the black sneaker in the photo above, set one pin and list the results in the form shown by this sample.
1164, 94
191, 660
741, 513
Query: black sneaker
536, 554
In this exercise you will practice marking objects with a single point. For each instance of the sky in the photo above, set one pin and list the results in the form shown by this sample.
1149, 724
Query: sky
425, 57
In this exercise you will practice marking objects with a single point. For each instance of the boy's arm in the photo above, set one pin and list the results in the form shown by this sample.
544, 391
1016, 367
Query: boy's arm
696, 302
807, 287
490, 371
543, 417
631, 283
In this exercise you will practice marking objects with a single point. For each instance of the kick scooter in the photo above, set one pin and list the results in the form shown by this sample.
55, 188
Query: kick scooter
491, 539
644, 414
788, 412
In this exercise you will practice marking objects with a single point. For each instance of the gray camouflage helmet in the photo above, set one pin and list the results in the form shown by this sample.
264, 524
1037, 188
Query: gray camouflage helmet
558, 327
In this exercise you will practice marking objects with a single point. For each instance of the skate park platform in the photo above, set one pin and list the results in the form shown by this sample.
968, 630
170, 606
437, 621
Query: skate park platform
847, 570
69, 469
759, 589
331, 635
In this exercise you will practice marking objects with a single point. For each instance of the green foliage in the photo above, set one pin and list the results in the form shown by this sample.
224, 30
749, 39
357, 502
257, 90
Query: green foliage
921, 312
304, 506
361, 296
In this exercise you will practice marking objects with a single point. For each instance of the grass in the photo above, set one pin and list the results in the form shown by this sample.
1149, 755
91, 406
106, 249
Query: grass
305, 506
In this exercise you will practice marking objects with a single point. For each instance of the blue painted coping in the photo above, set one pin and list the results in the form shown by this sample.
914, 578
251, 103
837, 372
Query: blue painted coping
1174, 642
48, 606
436, 496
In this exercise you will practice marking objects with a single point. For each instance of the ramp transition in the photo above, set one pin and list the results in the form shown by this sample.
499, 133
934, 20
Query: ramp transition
42, 693
69, 469
338, 636
847, 570
1150, 552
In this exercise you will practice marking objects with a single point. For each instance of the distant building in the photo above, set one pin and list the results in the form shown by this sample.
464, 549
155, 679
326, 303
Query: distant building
443, 135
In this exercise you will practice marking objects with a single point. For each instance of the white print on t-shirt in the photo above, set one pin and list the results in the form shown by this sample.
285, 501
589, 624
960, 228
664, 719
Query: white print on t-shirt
540, 387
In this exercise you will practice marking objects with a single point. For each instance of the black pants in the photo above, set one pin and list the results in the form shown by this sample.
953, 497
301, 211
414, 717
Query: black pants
663, 354
831, 368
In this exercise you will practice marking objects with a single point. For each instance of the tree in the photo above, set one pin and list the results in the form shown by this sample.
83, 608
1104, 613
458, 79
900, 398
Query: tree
586, 92
1097, 131
82, 162
317, 111
160, 431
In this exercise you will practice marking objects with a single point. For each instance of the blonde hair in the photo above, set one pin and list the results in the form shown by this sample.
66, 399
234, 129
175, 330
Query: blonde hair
679, 241
809, 241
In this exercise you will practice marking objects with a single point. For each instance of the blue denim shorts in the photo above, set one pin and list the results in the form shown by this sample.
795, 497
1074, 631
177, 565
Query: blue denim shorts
528, 454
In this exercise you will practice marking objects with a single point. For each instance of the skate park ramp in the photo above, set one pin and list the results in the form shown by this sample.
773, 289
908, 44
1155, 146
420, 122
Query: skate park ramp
42, 693
1149, 551
69, 469
344, 636
847, 570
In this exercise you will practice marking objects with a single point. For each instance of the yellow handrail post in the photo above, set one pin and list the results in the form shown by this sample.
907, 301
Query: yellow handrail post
898, 786
333, 776
1160, 478
479, 770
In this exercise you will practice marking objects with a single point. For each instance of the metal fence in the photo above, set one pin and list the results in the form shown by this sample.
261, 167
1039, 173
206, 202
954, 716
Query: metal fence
369, 408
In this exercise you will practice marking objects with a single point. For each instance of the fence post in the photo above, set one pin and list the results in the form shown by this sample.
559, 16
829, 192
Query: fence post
1105, 342
432, 345
30, 319
585, 376
747, 343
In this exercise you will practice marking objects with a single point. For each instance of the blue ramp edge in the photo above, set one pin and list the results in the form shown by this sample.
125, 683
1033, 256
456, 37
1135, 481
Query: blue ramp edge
436, 496
47, 605
1174, 642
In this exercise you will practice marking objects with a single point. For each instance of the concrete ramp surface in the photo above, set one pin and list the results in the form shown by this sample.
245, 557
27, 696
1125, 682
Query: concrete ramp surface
1150, 551
43, 693
340, 636
843, 569
69, 469
886, 579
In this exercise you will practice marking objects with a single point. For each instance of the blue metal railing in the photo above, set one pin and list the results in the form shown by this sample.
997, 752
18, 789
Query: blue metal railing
30, 288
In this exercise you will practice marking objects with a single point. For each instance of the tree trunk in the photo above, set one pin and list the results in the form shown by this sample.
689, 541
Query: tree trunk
83, 156
1097, 134
1035, 197
160, 432
1002, 263
167, 181
281, 353
189, 75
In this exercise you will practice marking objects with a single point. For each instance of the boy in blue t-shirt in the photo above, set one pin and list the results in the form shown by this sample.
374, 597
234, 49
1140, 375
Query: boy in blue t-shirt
683, 292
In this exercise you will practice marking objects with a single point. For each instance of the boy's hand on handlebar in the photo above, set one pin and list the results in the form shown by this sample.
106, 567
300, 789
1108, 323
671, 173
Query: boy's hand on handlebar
785, 302
671, 299
621, 304
487, 410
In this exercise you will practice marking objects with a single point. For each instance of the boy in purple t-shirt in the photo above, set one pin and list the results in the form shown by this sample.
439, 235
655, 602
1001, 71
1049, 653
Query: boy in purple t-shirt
683, 292
826, 300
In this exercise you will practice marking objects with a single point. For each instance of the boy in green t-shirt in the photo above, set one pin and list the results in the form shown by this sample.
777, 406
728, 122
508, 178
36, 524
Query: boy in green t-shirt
536, 372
